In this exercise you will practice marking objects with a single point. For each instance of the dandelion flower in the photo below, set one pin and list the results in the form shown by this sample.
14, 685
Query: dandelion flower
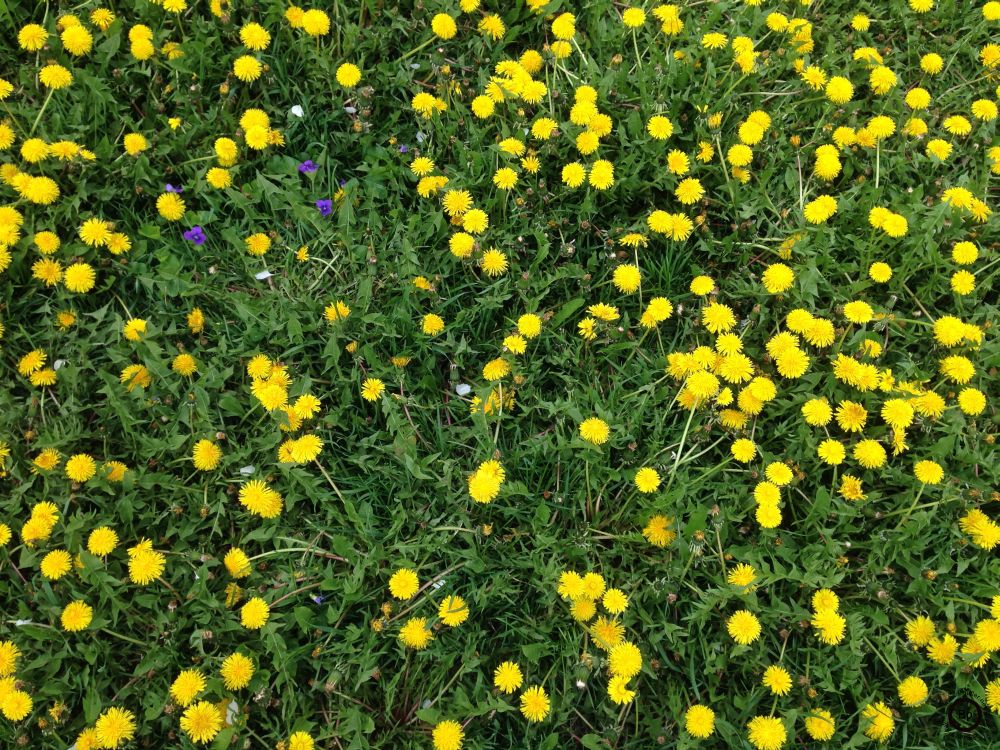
625, 660
254, 614
236, 671
404, 584
777, 680
877, 721
372, 389
928, 472
114, 727
415, 634
187, 686
79, 278
615, 601
80, 467
535, 703
206, 455
699, 721
658, 532
102, 541
76, 616
743, 627
447, 735
627, 278
595, 431
444, 26
507, 677
820, 724
16, 705
201, 722
912, 691
647, 480
348, 75
766, 732
453, 611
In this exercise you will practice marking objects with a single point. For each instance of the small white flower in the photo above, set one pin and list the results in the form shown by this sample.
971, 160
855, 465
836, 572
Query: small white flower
463, 389
263, 275
298, 111
247, 470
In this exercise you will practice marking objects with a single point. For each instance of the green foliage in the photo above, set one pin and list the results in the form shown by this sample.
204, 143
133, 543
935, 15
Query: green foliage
390, 487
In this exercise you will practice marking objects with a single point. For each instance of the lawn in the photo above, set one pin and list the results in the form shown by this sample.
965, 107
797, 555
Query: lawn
444, 375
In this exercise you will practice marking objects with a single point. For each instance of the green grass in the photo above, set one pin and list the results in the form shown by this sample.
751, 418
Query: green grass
390, 489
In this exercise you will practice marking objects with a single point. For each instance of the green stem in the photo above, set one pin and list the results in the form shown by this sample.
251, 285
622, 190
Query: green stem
878, 653
878, 161
722, 559
310, 550
331, 482
912, 507
40, 112
680, 450
124, 637
968, 601
586, 474
416, 49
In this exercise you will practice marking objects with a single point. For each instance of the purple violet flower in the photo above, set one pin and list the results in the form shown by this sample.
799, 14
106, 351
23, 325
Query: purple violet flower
308, 166
325, 206
171, 189
196, 235
404, 148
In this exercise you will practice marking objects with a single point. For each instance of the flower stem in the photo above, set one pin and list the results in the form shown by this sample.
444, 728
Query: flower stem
416, 49
680, 450
124, 637
40, 112
912, 507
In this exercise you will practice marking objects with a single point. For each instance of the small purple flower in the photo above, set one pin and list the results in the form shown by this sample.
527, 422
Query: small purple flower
342, 182
325, 206
404, 148
318, 599
171, 189
308, 166
196, 235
